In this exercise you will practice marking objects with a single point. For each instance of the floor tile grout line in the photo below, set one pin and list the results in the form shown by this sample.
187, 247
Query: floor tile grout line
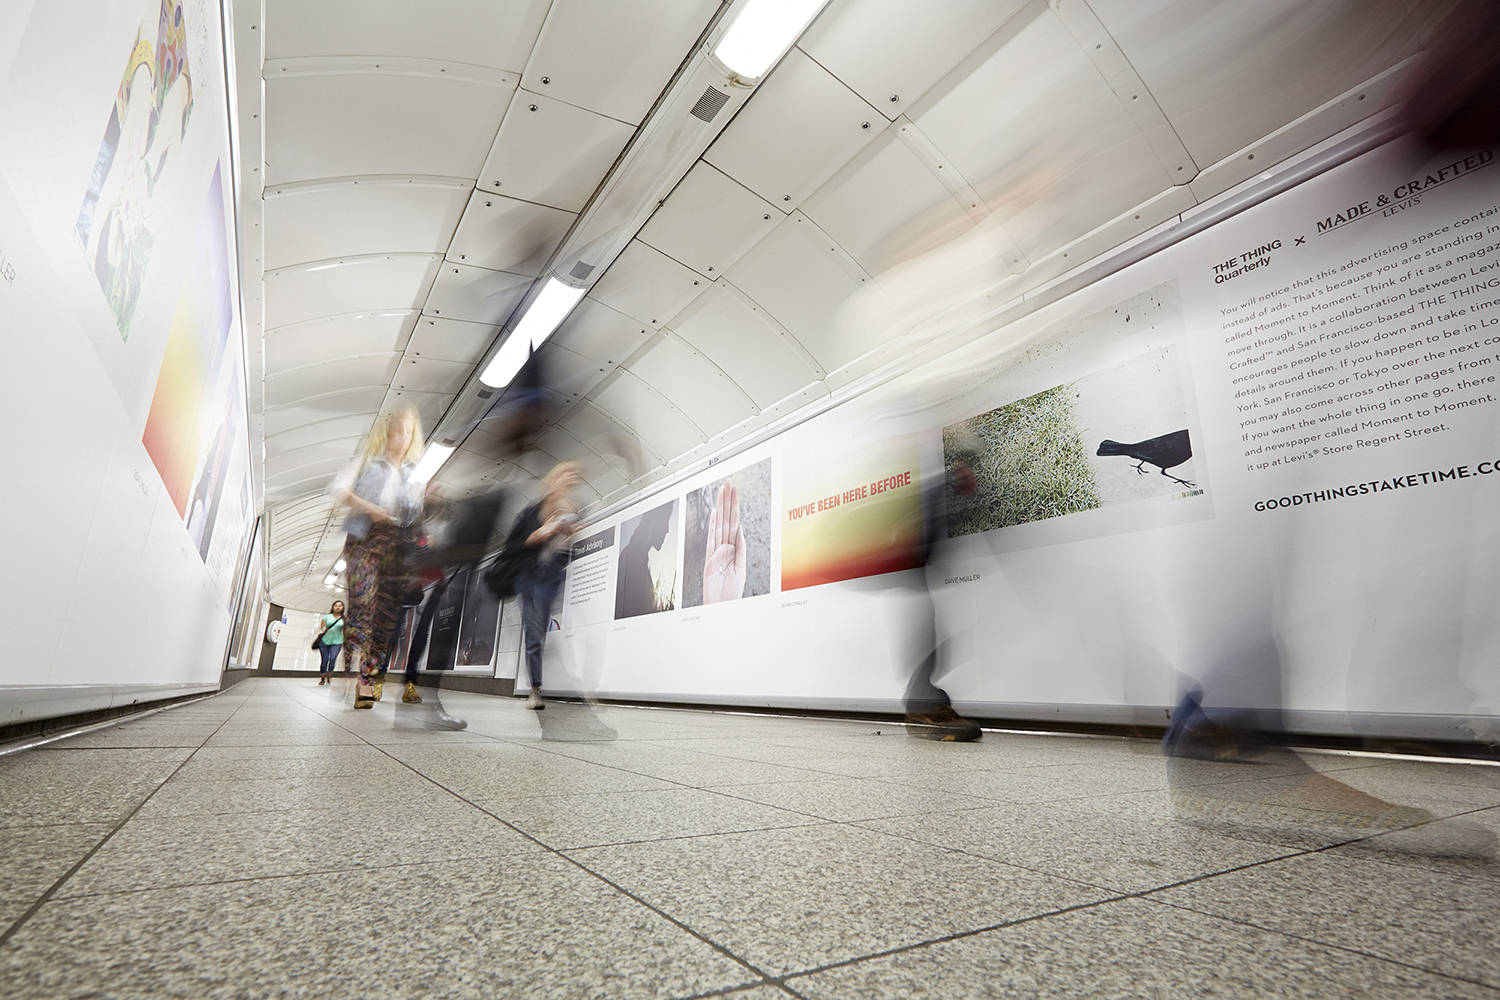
1333, 945
52, 890
613, 885
288, 875
1119, 897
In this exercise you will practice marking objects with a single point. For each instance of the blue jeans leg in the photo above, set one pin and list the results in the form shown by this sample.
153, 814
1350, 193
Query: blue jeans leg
537, 596
330, 655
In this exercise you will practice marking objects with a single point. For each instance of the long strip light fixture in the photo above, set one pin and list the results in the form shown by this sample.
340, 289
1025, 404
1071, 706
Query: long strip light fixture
545, 313
761, 32
736, 53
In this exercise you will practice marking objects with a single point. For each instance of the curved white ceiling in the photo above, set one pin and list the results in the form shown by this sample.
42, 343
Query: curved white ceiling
408, 169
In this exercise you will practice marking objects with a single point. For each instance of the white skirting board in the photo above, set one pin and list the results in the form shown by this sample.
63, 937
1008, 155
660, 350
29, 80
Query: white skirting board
22, 704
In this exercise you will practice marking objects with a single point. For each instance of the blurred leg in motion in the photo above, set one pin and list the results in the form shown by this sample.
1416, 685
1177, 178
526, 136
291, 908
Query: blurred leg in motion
435, 716
538, 589
929, 711
374, 572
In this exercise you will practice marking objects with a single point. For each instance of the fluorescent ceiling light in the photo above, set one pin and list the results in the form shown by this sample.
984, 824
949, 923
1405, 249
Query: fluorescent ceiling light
338, 567
542, 317
762, 32
432, 460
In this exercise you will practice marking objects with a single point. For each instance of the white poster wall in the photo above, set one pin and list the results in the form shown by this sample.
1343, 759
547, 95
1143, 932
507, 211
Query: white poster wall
1262, 463
120, 316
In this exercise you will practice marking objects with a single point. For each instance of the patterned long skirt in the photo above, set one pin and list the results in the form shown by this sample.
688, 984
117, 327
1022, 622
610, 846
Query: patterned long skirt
376, 578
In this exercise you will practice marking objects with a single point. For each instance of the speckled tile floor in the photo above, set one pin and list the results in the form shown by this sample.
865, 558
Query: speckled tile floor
272, 842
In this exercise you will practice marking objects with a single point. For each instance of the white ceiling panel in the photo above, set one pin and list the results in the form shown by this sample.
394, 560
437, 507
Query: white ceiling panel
647, 285
310, 411
321, 220
316, 476
599, 333
475, 295
468, 468
802, 283
355, 372
338, 336
536, 463
311, 460
339, 118
709, 221
571, 374
891, 51
683, 375
884, 205
614, 58
597, 429
481, 32
552, 153
430, 405
504, 234
735, 336
800, 127
668, 430
350, 429
1228, 73
1041, 137
430, 375
450, 340
382, 283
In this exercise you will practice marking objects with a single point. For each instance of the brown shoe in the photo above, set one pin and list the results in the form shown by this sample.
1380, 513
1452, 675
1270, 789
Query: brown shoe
942, 724
410, 695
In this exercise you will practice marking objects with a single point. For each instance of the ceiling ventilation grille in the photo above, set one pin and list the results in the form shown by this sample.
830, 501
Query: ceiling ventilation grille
582, 270
710, 104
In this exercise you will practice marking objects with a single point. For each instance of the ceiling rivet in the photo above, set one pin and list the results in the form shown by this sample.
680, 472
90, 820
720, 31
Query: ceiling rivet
765, 216
864, 125
546, 79
895, 98
531, 107
786, 197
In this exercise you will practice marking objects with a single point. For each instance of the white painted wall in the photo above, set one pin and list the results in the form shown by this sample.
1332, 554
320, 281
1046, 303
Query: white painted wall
1367, 613
106, 595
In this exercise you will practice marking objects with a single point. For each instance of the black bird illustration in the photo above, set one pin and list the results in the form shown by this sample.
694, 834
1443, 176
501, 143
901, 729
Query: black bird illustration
1164, 452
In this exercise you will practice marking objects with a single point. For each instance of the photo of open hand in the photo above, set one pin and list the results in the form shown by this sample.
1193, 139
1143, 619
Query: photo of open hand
724, 561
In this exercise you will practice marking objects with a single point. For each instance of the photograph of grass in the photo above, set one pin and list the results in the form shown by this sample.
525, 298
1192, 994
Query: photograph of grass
1114, 436
1031, 463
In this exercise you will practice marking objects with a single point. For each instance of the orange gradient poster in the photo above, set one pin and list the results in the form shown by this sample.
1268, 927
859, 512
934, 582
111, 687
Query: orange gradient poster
196, 410
849, 513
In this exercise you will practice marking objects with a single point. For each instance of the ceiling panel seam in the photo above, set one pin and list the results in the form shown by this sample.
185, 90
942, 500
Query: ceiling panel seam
577, 107
356, 314
328, 263
320, 184
962, 192
677, 339
292, 67
1121, 77
734, 291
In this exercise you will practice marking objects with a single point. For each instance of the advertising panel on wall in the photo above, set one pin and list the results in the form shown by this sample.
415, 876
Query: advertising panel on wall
118, 231
1259, 463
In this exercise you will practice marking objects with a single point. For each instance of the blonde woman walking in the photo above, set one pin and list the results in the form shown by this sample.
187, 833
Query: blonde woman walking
384, 504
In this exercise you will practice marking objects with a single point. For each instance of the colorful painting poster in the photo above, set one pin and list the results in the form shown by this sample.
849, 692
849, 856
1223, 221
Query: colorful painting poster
851, 515
147, 122
197, 410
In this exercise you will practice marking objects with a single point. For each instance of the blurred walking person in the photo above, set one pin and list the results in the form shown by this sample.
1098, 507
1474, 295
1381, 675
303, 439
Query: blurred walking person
538, 543
384, 506
331, 634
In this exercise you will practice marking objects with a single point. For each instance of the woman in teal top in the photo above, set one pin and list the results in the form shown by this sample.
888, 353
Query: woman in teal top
332, 632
